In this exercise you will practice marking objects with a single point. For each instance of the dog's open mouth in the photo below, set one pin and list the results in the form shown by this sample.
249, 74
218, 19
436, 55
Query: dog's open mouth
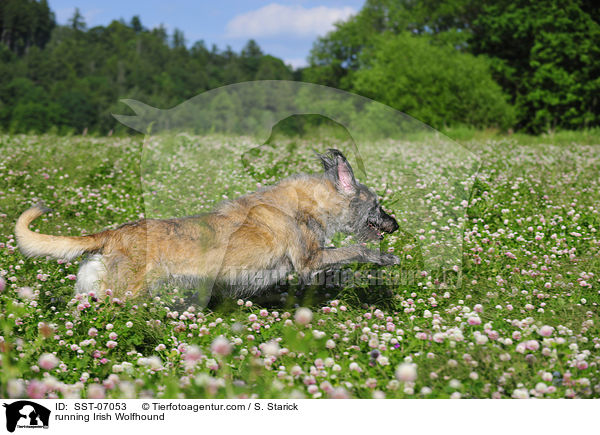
375, 233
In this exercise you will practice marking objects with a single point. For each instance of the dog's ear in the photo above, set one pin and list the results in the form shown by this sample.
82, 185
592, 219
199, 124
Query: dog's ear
338, 170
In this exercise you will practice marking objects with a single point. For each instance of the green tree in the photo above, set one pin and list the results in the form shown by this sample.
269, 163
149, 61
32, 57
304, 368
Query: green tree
433, 83
77, 22
547, 56
544, 54
25, 23
272, 68
76, 79
27, 107
335, 57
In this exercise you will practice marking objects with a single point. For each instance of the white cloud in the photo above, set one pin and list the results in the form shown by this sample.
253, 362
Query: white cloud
276, 20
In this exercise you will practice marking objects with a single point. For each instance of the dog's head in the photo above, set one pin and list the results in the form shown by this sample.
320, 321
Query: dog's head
363, 215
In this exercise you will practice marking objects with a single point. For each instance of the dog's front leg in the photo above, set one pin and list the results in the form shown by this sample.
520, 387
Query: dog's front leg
353, 254
325, 258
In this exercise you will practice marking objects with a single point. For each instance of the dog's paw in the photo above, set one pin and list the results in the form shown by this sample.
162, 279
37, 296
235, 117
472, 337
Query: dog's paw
388, 260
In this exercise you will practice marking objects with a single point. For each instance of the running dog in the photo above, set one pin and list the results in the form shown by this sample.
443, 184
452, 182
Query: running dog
281, 228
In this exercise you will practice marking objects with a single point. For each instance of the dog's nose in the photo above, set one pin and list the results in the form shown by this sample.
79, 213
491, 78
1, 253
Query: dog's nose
390, 225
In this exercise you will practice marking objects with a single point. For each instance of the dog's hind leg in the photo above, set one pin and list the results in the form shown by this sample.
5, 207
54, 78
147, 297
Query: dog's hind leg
125, 275
91, 275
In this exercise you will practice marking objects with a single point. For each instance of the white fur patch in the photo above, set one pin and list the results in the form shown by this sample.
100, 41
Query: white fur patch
91, 272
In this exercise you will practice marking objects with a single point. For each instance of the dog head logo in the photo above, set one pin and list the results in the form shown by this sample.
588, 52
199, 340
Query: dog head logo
26, 414
427, 176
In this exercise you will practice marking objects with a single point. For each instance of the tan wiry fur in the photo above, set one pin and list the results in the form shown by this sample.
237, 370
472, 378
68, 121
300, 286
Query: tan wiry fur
282, 228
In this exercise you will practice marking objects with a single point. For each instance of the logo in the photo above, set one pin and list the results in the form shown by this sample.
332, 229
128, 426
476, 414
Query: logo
26, 414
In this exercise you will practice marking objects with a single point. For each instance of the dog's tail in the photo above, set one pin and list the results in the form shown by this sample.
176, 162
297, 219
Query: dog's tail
34, 244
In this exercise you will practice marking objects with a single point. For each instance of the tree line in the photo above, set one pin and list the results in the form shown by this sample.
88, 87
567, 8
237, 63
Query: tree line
510, 64
70, 78
530, 65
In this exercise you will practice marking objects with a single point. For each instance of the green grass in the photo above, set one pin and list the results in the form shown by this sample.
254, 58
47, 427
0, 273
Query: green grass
530, 259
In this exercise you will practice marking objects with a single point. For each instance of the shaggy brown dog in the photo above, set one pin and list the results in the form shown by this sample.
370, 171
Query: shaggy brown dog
247, 243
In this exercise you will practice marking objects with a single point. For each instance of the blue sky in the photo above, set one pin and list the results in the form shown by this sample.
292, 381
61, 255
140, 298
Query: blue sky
283, 28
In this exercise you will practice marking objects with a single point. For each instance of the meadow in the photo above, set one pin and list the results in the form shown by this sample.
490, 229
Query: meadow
522, 322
